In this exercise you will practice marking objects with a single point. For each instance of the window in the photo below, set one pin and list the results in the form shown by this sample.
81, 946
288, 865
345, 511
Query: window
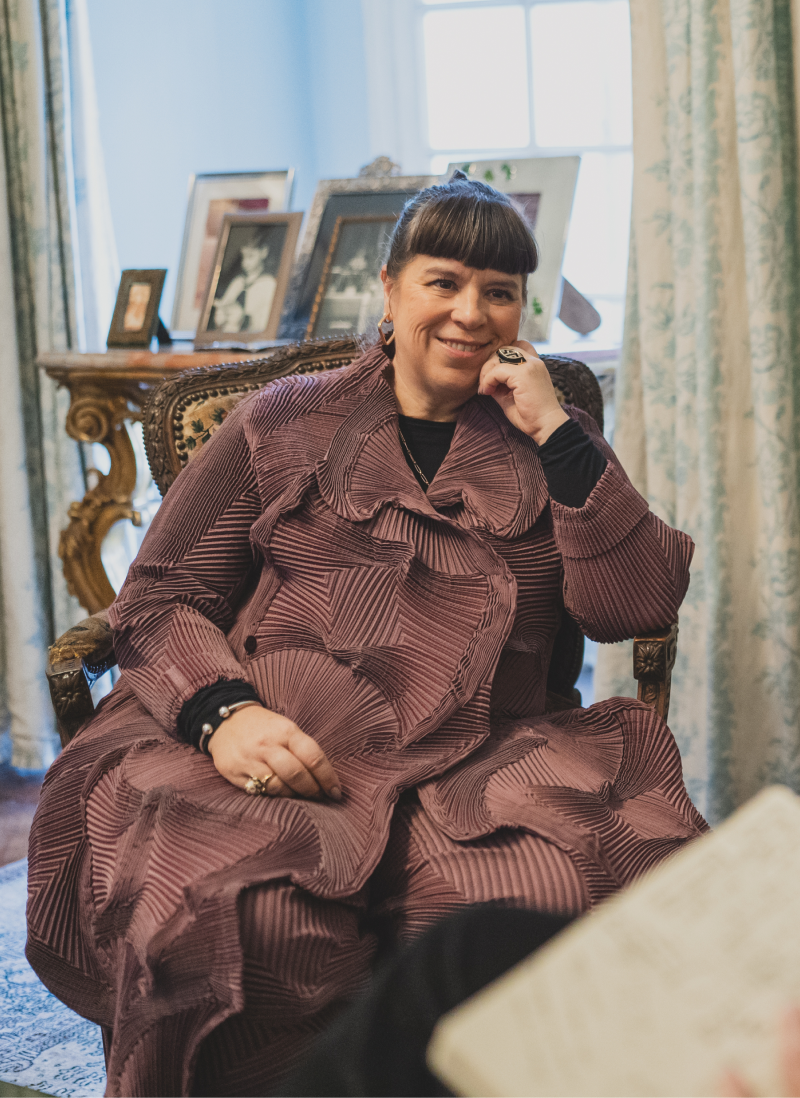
482, 79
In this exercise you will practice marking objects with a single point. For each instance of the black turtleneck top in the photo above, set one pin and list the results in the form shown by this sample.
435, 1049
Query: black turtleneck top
571, 461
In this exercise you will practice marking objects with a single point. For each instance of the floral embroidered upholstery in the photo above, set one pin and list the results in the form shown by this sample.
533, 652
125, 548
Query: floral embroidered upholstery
207, 417
184, 412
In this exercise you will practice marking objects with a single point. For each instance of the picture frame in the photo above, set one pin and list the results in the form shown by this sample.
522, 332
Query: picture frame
379, 191
543, 189
135, 317
350, 293
211, 196
250, 276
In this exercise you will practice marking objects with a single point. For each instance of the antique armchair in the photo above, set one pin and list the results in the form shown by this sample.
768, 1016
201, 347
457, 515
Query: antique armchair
180, 416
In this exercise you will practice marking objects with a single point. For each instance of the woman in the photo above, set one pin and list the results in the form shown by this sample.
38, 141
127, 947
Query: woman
348, 601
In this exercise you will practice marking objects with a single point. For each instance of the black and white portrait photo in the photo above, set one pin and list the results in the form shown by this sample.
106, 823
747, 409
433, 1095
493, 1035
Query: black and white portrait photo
247, 282
250, 277
351, 294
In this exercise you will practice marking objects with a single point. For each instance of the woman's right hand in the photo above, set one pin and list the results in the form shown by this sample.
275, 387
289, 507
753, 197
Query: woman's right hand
254, 741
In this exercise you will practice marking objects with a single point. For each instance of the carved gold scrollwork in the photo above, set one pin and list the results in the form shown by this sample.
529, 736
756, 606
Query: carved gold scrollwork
98, 417
88, 419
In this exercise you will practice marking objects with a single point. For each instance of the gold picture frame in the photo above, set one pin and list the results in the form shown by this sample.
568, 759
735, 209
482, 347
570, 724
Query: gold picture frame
211, 195
349, 297
135, 316
252, 268
379, 188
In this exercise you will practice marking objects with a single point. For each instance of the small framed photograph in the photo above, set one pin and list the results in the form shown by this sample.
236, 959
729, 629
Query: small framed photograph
349, 297
542, 188
364, 209
211, 197
249, 278
136, 312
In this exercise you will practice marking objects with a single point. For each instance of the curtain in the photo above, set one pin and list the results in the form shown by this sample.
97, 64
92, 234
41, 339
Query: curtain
57, 272
708, 409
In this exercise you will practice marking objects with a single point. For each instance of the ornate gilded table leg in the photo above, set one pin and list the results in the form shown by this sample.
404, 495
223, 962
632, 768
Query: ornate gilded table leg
106, 389
95, 416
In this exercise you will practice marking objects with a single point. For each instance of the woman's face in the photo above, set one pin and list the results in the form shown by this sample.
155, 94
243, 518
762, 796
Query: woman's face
449, 319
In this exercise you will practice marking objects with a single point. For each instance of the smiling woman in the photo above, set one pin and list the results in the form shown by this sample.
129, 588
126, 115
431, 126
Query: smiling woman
330, 729
454, 291
447, 317
451, 317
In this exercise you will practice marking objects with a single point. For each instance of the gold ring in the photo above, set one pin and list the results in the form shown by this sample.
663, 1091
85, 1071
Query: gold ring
257, 787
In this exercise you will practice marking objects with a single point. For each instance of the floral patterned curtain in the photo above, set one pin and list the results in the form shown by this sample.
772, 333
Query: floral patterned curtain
708, 396
49, 287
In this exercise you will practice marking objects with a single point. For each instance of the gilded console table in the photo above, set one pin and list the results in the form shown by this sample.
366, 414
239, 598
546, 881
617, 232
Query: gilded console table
105, 390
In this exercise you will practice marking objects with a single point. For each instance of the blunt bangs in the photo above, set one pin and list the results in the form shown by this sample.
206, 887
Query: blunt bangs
467, 221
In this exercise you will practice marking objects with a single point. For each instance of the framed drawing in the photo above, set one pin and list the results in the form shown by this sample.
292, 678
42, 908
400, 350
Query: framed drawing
249, 277
210, 198
350, 293
542, 188
136, 312
364, 209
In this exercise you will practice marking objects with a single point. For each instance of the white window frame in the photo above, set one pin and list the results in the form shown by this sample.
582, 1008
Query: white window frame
398, 119
396, 71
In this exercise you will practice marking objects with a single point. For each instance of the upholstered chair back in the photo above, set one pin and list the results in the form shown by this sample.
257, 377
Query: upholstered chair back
183, 412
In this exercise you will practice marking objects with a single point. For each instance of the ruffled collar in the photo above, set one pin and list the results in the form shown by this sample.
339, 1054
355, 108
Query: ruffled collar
491, 472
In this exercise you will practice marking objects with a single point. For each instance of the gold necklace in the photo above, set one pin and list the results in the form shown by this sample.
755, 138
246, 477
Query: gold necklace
407, 449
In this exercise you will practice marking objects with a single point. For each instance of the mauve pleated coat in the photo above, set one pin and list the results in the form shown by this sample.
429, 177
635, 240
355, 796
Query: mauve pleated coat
211, 932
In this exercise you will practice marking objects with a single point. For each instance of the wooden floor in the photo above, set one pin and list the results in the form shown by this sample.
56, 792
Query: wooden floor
18, 799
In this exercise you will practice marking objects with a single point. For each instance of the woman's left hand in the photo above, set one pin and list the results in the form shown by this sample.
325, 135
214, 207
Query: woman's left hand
524, 391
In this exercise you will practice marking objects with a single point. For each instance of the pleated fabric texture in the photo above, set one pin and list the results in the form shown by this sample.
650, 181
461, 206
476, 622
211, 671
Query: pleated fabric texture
410, 635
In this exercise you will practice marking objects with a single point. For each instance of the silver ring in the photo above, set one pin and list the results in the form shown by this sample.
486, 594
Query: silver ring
510, 355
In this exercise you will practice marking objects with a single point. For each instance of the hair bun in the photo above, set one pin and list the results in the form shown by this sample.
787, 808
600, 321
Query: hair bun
458, 174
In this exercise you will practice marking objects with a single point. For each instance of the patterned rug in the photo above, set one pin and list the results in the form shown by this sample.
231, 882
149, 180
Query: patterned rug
43, 1044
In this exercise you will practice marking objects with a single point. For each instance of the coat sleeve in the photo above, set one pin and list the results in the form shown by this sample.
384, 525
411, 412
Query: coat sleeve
625, 571
172, 614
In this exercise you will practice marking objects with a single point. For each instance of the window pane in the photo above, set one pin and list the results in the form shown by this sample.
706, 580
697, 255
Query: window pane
582, 73
596, 257
477, 78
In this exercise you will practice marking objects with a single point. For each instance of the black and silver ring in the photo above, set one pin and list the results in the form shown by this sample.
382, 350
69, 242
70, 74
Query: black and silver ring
510, 355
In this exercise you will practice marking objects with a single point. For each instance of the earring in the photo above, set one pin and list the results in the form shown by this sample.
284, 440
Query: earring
387, 340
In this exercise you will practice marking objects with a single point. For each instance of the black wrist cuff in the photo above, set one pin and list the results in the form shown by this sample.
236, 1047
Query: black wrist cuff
204, 707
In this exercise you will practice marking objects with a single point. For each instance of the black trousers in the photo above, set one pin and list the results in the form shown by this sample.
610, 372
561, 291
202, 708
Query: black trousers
377, 1045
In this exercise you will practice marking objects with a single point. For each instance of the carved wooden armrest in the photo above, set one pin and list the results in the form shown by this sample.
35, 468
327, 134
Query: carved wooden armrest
75, 662
653, 660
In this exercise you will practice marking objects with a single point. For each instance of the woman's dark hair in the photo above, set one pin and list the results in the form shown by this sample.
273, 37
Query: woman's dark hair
465, 220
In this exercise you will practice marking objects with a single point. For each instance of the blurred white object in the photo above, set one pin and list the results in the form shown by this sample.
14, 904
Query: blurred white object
661, 988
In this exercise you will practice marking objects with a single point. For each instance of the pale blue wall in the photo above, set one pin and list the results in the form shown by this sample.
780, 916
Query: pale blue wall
221, 85
337, 86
